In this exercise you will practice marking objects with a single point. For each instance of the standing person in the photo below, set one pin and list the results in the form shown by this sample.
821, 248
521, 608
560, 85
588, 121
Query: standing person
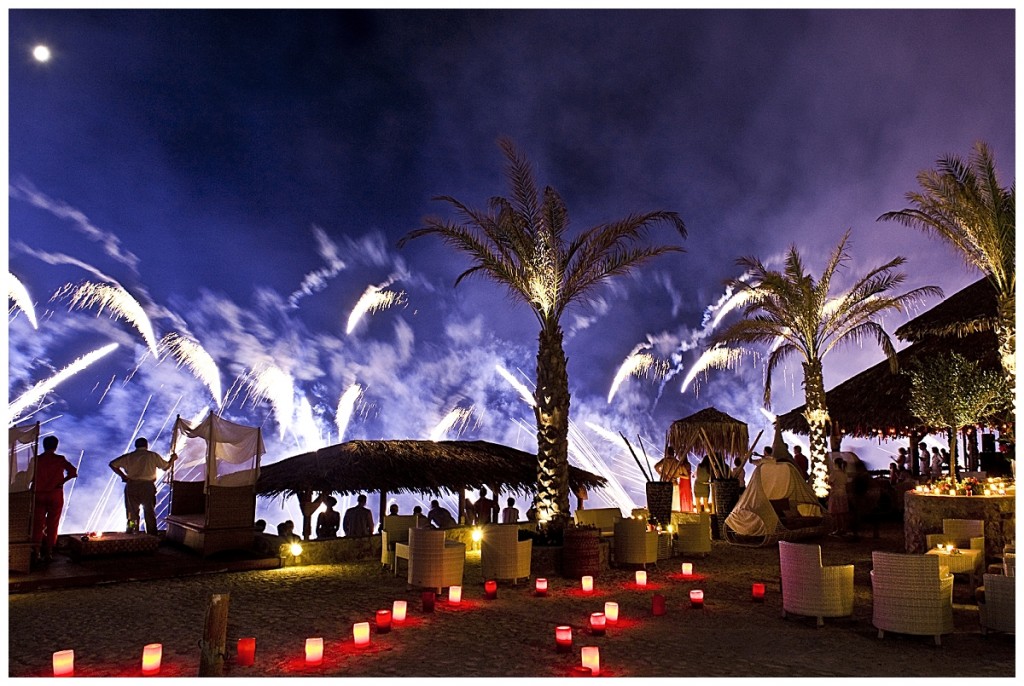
137, 470
510, 515
923, 459
936, 464
358, 519
800, 460
486, 509
739, 473
838, 504
671, 468
50, 472
439, 516
328, 521
469, 512
702, 483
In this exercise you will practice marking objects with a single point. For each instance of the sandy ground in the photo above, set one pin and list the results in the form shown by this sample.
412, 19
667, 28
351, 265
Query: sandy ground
513, 636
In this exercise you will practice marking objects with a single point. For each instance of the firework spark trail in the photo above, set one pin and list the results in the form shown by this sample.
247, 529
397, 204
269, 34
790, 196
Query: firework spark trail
638, 364
17, 292
120, 303
37, 392
346, 404
373, 299
524, 392
730, 301
71, 492
458, 416
278, 386
192, 356
717, 357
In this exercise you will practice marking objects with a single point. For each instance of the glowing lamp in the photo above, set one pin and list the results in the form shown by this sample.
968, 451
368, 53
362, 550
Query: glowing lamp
563, 639
757, 592
597, 623
314, 651
383, 621
455, 595
541, 587
490, 590
671, 528
295, 549
641, 578
658, 605
697, 599
398, 609
477, 535
64, 663
246, 651
151, 655
611, 613
687, 569
427, 597
592, 658
361, 633
588, 584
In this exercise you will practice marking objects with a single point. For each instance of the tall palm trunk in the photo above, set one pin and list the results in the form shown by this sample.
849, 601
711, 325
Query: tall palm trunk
1006, 334
817, 421
552, 409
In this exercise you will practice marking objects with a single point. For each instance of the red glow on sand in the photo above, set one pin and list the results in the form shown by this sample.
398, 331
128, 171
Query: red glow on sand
679, 576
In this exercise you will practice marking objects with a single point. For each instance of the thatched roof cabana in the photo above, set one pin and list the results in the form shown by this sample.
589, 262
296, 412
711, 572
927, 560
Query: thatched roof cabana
726, 435
427, 467
876, 401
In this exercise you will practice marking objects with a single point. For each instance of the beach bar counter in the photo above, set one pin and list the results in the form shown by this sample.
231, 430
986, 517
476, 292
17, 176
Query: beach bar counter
925, 508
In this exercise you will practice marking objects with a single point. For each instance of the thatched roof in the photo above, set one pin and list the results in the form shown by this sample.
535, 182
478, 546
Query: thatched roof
967, 311
876, 402
428, 467
727, 435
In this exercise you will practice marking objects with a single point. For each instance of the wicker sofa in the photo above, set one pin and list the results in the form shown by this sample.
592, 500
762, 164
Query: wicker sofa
811, 589
634, 544
210, 519
603, 518
912, 594
997, 604
502, 555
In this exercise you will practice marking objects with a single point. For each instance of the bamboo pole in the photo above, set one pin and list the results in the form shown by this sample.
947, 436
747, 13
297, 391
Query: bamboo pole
215, 630
715, 470
635, 458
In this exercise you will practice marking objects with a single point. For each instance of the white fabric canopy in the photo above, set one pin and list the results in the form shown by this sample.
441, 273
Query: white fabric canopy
230, 452
23, 443
754, 515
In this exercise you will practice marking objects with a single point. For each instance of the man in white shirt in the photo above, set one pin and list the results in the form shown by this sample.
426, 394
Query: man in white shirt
137, 470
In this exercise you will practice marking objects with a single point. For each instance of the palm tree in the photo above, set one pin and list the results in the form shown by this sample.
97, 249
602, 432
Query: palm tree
520, 242
794, 314
964, 205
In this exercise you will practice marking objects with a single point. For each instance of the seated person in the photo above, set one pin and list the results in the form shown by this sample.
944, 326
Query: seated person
510, 515
286, 530
328, 521
439, 517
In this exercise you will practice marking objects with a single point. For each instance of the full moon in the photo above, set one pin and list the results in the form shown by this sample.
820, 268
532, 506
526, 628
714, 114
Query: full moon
41, 53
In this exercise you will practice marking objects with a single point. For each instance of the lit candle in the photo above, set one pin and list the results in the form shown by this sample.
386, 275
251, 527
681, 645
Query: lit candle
592, 658
246, 651
641, 578
428, 601
490, 590
541, 587
597, 623
314, 651
658, 605
611, 613
757, 592
563, 639
151, 655
988, 492
697, 599
588, 584
398, 609
383, 621
687, 569
361, 633
64, 663
455, 595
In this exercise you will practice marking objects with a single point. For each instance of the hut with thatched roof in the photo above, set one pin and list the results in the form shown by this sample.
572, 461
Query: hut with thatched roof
712, 432
407, 466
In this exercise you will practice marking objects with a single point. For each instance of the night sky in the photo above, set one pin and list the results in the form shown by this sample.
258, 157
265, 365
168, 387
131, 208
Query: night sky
246, 175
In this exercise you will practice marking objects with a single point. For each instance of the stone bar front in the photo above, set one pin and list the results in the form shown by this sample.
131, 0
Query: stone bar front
924, 512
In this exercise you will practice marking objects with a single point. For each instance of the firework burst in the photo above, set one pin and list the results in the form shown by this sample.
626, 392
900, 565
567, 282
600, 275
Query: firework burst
346, 404
373, 299
18, 294
638, 364
39, 391
114, 298
457, 419
717, 357
189, 354
276, 386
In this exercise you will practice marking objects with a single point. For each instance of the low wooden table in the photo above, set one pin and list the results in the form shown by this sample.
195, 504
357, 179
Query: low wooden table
112, 543
964, 561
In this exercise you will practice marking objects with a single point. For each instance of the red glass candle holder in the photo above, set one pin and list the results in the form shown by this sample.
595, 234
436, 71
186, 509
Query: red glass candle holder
383, 621
246, 651
427, 597
658, 605
563, 639
598, 622
697, 599
541, 587
490, 590
757, 593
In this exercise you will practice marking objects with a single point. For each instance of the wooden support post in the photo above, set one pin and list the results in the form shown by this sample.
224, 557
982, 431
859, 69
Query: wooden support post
215, 631
382, 508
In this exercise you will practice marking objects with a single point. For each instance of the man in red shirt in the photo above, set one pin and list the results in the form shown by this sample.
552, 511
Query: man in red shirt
50, 472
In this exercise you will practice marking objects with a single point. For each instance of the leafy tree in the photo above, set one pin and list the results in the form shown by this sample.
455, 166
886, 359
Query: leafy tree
794, 314
521, 242
964, 205
952, 392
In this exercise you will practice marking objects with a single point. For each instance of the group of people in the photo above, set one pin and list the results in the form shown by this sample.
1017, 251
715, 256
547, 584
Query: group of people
686, 496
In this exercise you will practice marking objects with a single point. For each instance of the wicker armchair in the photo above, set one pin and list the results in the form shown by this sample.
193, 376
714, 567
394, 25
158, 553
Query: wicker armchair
912, 594
396, 530
634, 544
502, 555
963, 533
997, 607
433, 561
810, 589
693, 533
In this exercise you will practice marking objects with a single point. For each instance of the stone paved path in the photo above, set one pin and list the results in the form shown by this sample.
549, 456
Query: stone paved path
513, 636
